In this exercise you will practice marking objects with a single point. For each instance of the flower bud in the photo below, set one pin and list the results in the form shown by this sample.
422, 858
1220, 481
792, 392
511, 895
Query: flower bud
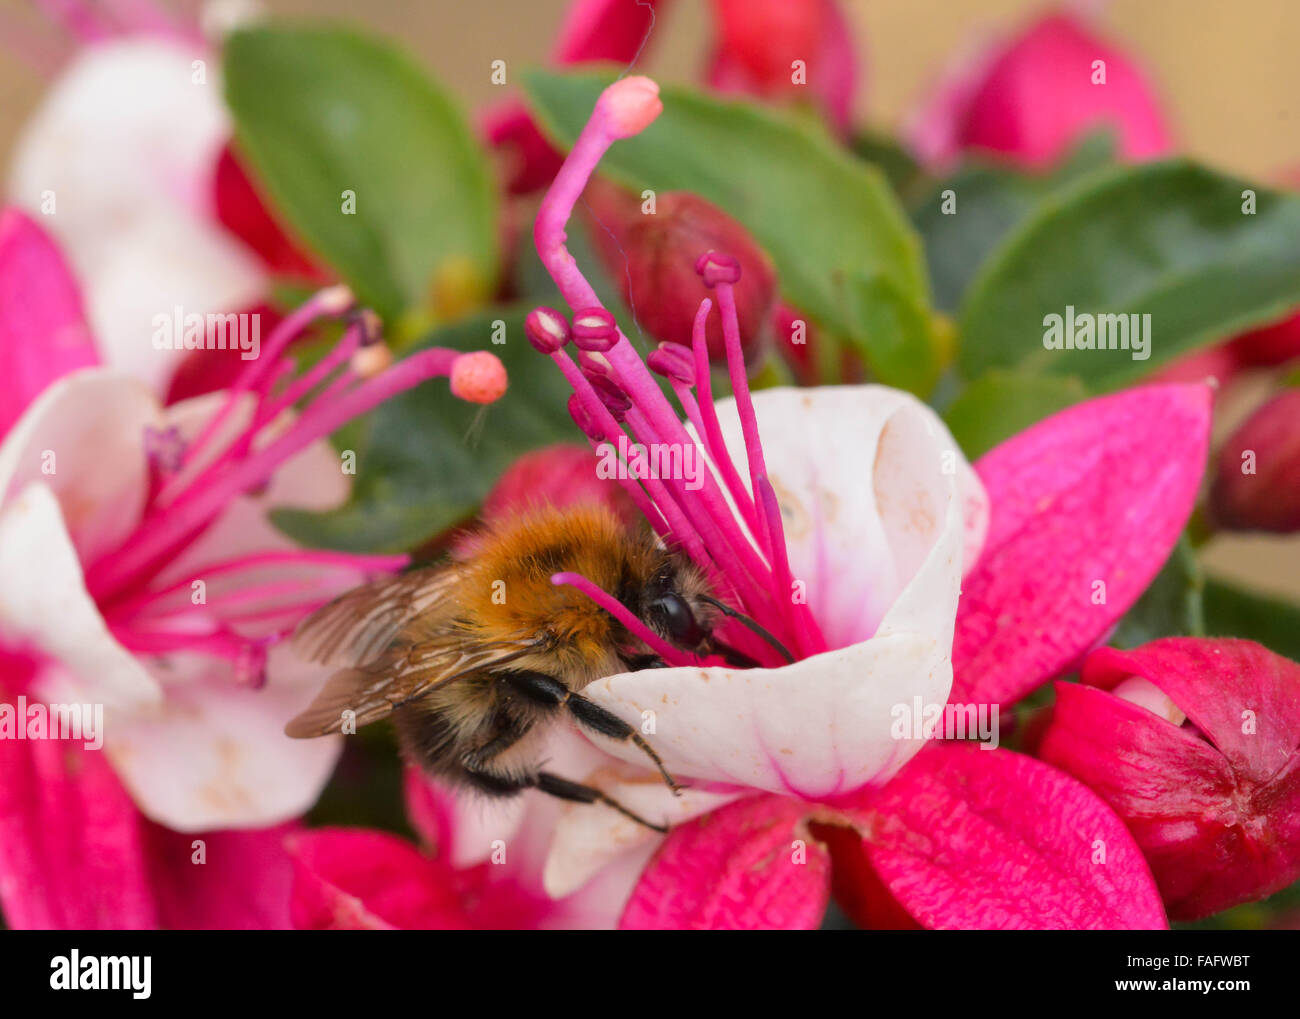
1272, 345
1196, 745
652, 256
561, 475
786, 49
1257, 482
1035, 95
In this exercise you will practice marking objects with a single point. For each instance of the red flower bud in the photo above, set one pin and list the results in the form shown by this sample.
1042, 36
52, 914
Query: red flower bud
1257, 483
1269, 346
1213, 798
786, 49
653, 257
561, 475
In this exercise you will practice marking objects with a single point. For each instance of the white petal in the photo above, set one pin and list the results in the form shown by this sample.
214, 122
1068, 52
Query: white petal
126, 141
214, 755
874, 499
864, 475
162, 261
44, 604
84, 437
817, 728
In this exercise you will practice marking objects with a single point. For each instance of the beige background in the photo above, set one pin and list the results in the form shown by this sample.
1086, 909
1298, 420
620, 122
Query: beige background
1227, 72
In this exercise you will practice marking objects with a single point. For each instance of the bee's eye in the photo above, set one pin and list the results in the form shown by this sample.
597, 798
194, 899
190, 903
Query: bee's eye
677, 619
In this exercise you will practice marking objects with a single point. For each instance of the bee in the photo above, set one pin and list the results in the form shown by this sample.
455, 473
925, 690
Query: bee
474, 660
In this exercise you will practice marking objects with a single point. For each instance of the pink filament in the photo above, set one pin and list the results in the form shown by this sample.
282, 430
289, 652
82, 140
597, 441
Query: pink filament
638, 629
746, 547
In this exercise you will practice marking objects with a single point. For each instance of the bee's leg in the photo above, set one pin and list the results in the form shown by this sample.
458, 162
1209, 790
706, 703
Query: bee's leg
548, 690
647, 661
563, 789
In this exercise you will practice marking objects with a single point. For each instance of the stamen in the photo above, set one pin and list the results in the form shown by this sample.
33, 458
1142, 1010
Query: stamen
330, 302
733, 539
167, 529
671, 655
711, 432
594, 329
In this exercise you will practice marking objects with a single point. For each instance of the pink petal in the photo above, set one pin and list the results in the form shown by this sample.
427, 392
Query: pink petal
354, 879
72, 844
966, 837
1096, 493
43, 332
605, 30
752, 865
242, 883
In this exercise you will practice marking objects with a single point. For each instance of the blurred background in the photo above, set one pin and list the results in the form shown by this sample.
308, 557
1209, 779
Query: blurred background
1226, 72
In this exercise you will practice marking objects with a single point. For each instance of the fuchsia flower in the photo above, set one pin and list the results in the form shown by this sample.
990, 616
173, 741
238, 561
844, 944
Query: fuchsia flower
1031, 96
858, 498
1194, 744
137, 567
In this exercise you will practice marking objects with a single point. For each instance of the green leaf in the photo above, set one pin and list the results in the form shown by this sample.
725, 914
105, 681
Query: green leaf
904, 174
987, 200
999, 404
1233, 612
832, 225
1165, 239
426, 460
1171, 606
321, 111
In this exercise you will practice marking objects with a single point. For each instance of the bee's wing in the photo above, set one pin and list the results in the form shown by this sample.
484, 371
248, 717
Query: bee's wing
406, 673
359, 625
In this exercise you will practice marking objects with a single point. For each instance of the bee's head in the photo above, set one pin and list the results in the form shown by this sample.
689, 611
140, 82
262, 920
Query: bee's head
674, 606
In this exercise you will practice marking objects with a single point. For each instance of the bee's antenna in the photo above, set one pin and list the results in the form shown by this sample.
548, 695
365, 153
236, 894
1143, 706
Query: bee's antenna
744, 620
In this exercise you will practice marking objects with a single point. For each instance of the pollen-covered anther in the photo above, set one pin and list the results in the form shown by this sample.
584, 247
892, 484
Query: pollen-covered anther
547, 330
594, 329
336, 299
715, 267
371, 360
630, 105
478, 377
372, 326
593, 363
673, 361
